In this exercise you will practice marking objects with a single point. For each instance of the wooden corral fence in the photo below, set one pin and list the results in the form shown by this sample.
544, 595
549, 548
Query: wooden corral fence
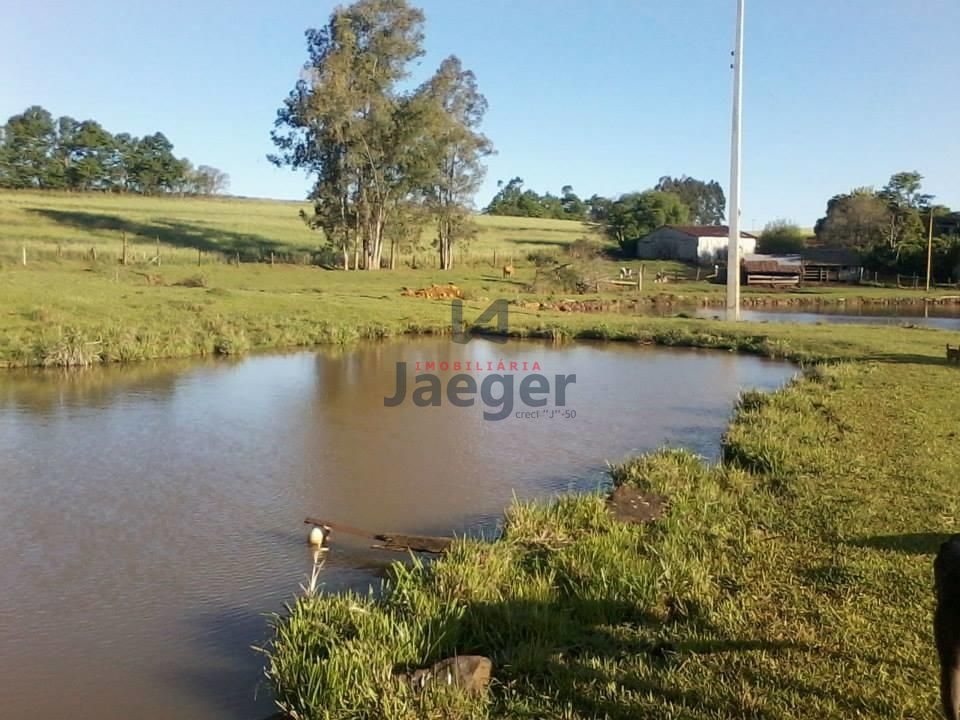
631, 278
774, 280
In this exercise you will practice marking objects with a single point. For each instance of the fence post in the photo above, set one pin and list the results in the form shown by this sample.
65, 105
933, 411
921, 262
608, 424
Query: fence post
23, 252
643, 267
123, 256
271, 258
238, 258
158, 251
494, 258
199, 255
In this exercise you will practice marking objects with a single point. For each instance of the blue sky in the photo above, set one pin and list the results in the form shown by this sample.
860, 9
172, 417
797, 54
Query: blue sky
605, 95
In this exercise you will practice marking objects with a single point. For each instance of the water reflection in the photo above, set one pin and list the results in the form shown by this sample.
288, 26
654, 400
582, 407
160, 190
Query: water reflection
150, 514
944, 317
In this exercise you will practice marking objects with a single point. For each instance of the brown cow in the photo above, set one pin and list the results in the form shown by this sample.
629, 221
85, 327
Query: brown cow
508, 271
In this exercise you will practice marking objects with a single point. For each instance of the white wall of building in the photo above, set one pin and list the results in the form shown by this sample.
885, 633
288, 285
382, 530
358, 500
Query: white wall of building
711, 249
669, 244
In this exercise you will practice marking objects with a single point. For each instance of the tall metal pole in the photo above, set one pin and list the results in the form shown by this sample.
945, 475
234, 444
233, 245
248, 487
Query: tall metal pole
930, 250
733, 248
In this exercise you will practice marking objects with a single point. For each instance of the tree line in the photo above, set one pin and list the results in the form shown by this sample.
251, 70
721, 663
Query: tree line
513, 200
386, 159
625, 219
889, 228
40, 152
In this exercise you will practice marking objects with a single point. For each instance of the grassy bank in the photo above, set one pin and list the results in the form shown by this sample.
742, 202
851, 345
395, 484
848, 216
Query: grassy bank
60, 313
66, 308
791, 581
55, 317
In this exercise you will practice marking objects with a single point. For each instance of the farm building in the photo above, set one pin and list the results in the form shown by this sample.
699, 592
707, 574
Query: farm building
691, 243
781, 270
816, 265
831, 265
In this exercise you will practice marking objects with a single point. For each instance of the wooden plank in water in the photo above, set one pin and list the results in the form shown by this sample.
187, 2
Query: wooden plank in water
417, 543
390, 541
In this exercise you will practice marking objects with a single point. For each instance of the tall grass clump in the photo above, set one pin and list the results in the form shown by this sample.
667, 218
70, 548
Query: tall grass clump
67, 348
558, 571
226, 337
342, 656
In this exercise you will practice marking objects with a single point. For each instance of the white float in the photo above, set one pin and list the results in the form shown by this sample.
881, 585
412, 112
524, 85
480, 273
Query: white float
318, 536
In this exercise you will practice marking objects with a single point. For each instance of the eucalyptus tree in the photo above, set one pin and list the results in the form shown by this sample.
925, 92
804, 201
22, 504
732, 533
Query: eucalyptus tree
889, 221
342, 122
905, 202
209, 180
456, 148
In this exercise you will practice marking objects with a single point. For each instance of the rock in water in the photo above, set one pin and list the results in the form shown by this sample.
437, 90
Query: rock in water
471, 673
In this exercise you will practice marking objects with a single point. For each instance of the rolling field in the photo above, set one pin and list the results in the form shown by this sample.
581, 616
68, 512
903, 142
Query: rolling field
41, 221
65, 308
792, 580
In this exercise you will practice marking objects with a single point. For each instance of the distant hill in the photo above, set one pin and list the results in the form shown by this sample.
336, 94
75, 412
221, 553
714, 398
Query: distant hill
48, 223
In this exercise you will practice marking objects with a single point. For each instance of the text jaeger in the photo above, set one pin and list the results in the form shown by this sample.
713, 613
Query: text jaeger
496, 391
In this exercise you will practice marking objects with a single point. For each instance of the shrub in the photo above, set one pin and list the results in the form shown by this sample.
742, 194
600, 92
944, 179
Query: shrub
541, 258
194, 281
781, 236
584, 249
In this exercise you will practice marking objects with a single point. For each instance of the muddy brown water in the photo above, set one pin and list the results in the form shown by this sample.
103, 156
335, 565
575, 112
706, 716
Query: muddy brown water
150, 515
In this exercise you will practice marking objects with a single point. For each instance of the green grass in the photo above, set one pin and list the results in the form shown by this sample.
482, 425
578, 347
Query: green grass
63, 308
791, 581
55, 311
220, 227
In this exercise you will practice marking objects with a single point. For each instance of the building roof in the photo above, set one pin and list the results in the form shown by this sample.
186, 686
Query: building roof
831, 256
757, 263
708, 231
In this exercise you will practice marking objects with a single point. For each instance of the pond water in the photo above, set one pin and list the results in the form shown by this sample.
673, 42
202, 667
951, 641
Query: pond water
944, 317
150, 515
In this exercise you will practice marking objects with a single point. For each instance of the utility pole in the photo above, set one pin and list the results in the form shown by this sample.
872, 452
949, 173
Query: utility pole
733, 248
930, 250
